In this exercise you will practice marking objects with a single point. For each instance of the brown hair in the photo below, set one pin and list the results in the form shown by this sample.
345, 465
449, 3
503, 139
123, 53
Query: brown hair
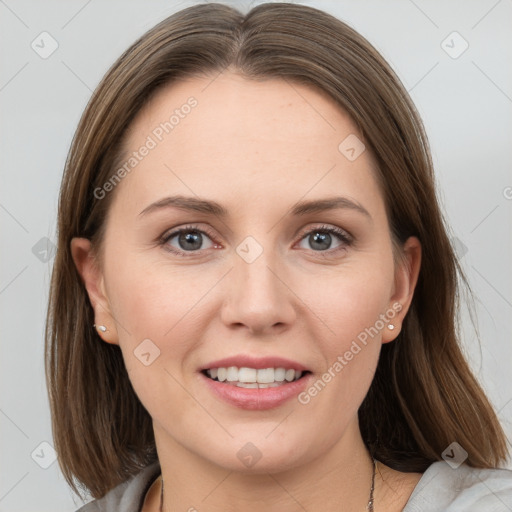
424, 395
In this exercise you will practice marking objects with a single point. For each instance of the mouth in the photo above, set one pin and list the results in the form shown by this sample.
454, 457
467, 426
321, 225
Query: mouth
254, 378
251, 383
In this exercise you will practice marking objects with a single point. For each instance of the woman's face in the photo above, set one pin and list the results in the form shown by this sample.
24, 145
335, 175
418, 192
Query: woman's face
285, 262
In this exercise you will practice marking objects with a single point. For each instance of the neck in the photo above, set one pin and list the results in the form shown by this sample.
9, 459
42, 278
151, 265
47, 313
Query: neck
343, 475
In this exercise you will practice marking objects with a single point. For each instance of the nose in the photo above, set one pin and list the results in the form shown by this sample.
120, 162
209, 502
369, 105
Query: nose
258, 298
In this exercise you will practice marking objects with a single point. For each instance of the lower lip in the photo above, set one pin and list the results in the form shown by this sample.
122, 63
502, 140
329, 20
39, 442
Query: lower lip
254, 398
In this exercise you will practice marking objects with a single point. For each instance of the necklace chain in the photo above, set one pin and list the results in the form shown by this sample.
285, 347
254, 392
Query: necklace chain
369, 507
370, 501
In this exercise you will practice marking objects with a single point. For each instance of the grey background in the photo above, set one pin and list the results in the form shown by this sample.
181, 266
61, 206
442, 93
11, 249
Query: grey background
465, 102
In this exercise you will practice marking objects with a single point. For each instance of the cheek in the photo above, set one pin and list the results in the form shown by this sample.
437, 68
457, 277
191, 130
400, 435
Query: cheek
350, 299
152, 299
152, 309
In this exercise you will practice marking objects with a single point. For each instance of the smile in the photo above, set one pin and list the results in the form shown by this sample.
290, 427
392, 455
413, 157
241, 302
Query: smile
260, 378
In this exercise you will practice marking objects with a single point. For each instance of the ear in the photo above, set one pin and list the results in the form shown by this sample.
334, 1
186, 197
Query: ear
406, 276
92, 277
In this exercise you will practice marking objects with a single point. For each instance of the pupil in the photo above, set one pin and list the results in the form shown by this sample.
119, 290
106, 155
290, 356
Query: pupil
192, 238
321, 237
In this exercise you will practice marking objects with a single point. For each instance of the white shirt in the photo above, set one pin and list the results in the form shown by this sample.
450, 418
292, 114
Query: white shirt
440, 489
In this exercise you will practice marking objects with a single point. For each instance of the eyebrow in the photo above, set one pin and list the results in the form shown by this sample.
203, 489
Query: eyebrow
199, 205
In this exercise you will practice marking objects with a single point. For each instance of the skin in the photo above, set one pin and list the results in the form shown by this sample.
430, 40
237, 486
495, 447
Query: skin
257, 148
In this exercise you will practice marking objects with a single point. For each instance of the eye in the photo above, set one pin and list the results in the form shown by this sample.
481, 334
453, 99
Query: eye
321, 239
188, 239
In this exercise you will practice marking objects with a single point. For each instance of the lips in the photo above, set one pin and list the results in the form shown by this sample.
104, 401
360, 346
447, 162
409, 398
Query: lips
255, 383
242, 360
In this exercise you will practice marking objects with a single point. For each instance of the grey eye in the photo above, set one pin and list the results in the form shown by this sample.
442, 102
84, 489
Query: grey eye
189, 240
321, 240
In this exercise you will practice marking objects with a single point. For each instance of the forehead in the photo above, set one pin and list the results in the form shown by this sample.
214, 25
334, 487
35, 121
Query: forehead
270, 110
239, 139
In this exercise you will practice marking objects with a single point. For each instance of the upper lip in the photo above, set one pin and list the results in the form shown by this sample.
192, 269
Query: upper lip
247, 361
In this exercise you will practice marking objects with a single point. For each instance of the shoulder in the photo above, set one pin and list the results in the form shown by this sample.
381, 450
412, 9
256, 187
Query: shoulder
442, 488
128, 496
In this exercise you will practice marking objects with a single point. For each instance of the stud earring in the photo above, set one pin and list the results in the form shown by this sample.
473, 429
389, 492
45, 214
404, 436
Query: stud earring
391, 327
101, 328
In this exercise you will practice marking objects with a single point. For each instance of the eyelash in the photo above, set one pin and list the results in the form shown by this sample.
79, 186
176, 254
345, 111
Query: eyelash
342, 235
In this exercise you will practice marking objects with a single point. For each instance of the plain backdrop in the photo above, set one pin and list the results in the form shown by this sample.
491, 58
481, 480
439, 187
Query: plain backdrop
461, 84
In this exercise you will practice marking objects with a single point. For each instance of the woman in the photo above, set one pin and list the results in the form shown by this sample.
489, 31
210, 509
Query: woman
254, 296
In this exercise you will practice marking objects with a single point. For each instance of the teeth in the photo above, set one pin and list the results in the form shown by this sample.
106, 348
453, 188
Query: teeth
266, 375
232, 374
290, 375
255, 385
248, 375
252, 377
279, 374
221, 374
247, 384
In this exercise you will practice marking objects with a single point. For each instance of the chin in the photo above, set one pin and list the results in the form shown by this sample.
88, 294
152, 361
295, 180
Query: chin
256, 454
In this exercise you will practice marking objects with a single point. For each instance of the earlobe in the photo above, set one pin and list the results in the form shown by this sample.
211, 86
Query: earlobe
406, 277
92, 277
